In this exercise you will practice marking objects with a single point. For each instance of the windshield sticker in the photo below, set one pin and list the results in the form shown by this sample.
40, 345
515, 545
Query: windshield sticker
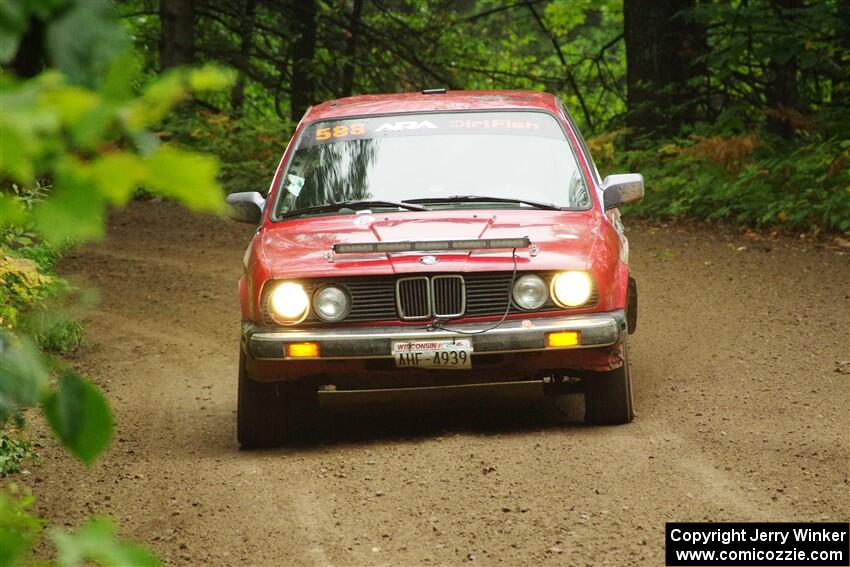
294, 184
406, 125
495, 124
520, 123
340, 131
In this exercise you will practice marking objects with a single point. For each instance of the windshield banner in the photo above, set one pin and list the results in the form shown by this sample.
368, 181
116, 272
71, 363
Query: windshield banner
535, 124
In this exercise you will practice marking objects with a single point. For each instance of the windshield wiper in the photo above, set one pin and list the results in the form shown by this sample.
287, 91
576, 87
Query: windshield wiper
485, 199
353, 205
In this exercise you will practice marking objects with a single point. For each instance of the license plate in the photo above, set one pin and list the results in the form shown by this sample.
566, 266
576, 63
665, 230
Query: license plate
429, 353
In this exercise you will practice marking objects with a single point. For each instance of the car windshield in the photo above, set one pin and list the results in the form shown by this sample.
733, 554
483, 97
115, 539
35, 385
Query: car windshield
451, 160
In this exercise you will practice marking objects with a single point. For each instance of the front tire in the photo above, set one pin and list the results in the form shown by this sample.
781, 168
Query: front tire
271, 414
608, 395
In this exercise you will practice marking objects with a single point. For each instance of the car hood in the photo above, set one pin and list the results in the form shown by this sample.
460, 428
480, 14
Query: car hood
302, 247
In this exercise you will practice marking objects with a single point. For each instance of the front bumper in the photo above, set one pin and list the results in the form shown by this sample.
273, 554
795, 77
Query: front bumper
512, 336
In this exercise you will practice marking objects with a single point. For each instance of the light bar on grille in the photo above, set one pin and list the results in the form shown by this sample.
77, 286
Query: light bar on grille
432, 245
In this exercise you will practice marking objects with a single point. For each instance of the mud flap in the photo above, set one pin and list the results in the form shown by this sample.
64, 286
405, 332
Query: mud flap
631, 306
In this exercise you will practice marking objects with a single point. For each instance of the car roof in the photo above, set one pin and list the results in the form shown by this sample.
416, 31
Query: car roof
377, 104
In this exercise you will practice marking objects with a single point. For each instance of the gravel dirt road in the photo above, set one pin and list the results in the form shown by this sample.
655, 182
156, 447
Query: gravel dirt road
742, 415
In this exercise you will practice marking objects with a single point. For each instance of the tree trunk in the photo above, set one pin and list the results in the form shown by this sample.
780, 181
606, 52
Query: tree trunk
661, 45
177, 27
303, 85
841, 85
246, 30
688, 75
30, 58
782, 94
347, 86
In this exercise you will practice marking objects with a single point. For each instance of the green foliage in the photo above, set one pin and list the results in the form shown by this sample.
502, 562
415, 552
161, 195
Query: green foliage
746, 40
80, 417
19, 529
803, 185
13, 452
81, 126
76, 409
24, 284
184, 176
54, 331
248, 148
96, 149
93, 543
35, 297
83, 41
79, 134
24, 375
405, 45
574, 48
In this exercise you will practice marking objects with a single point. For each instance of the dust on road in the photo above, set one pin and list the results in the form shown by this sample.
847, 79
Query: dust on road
741, 416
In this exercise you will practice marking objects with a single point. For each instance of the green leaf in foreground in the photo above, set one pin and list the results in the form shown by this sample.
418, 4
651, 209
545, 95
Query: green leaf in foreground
23, 376
18, 528
210, 78
11, 210
95, 542
80, 417
13, 23
188, 177
84, 39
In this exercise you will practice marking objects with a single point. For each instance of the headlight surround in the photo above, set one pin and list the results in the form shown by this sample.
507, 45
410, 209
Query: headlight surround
289, 303
530, 292
572, 289
331, 303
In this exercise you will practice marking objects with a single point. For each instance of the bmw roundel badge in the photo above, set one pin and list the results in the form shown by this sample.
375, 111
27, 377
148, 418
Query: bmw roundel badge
428, 260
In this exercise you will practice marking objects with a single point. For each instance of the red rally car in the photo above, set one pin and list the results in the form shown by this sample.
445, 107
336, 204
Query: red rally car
433, 238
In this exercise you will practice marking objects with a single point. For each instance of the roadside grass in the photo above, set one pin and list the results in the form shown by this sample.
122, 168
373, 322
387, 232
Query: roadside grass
36, 300
56, 332
797, 186
14, 452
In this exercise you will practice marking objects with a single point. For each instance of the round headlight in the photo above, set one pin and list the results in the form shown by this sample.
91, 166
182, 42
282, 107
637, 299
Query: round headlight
289, 303
330, 303
530, 292
572, 289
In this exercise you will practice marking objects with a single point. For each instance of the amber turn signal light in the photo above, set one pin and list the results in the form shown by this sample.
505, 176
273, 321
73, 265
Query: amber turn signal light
563, 339
302, 350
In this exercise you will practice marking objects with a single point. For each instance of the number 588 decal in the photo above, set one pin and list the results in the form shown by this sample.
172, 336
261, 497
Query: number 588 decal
341, 131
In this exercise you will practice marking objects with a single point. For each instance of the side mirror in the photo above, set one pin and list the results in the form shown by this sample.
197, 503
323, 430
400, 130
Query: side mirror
246, 207
621, 189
